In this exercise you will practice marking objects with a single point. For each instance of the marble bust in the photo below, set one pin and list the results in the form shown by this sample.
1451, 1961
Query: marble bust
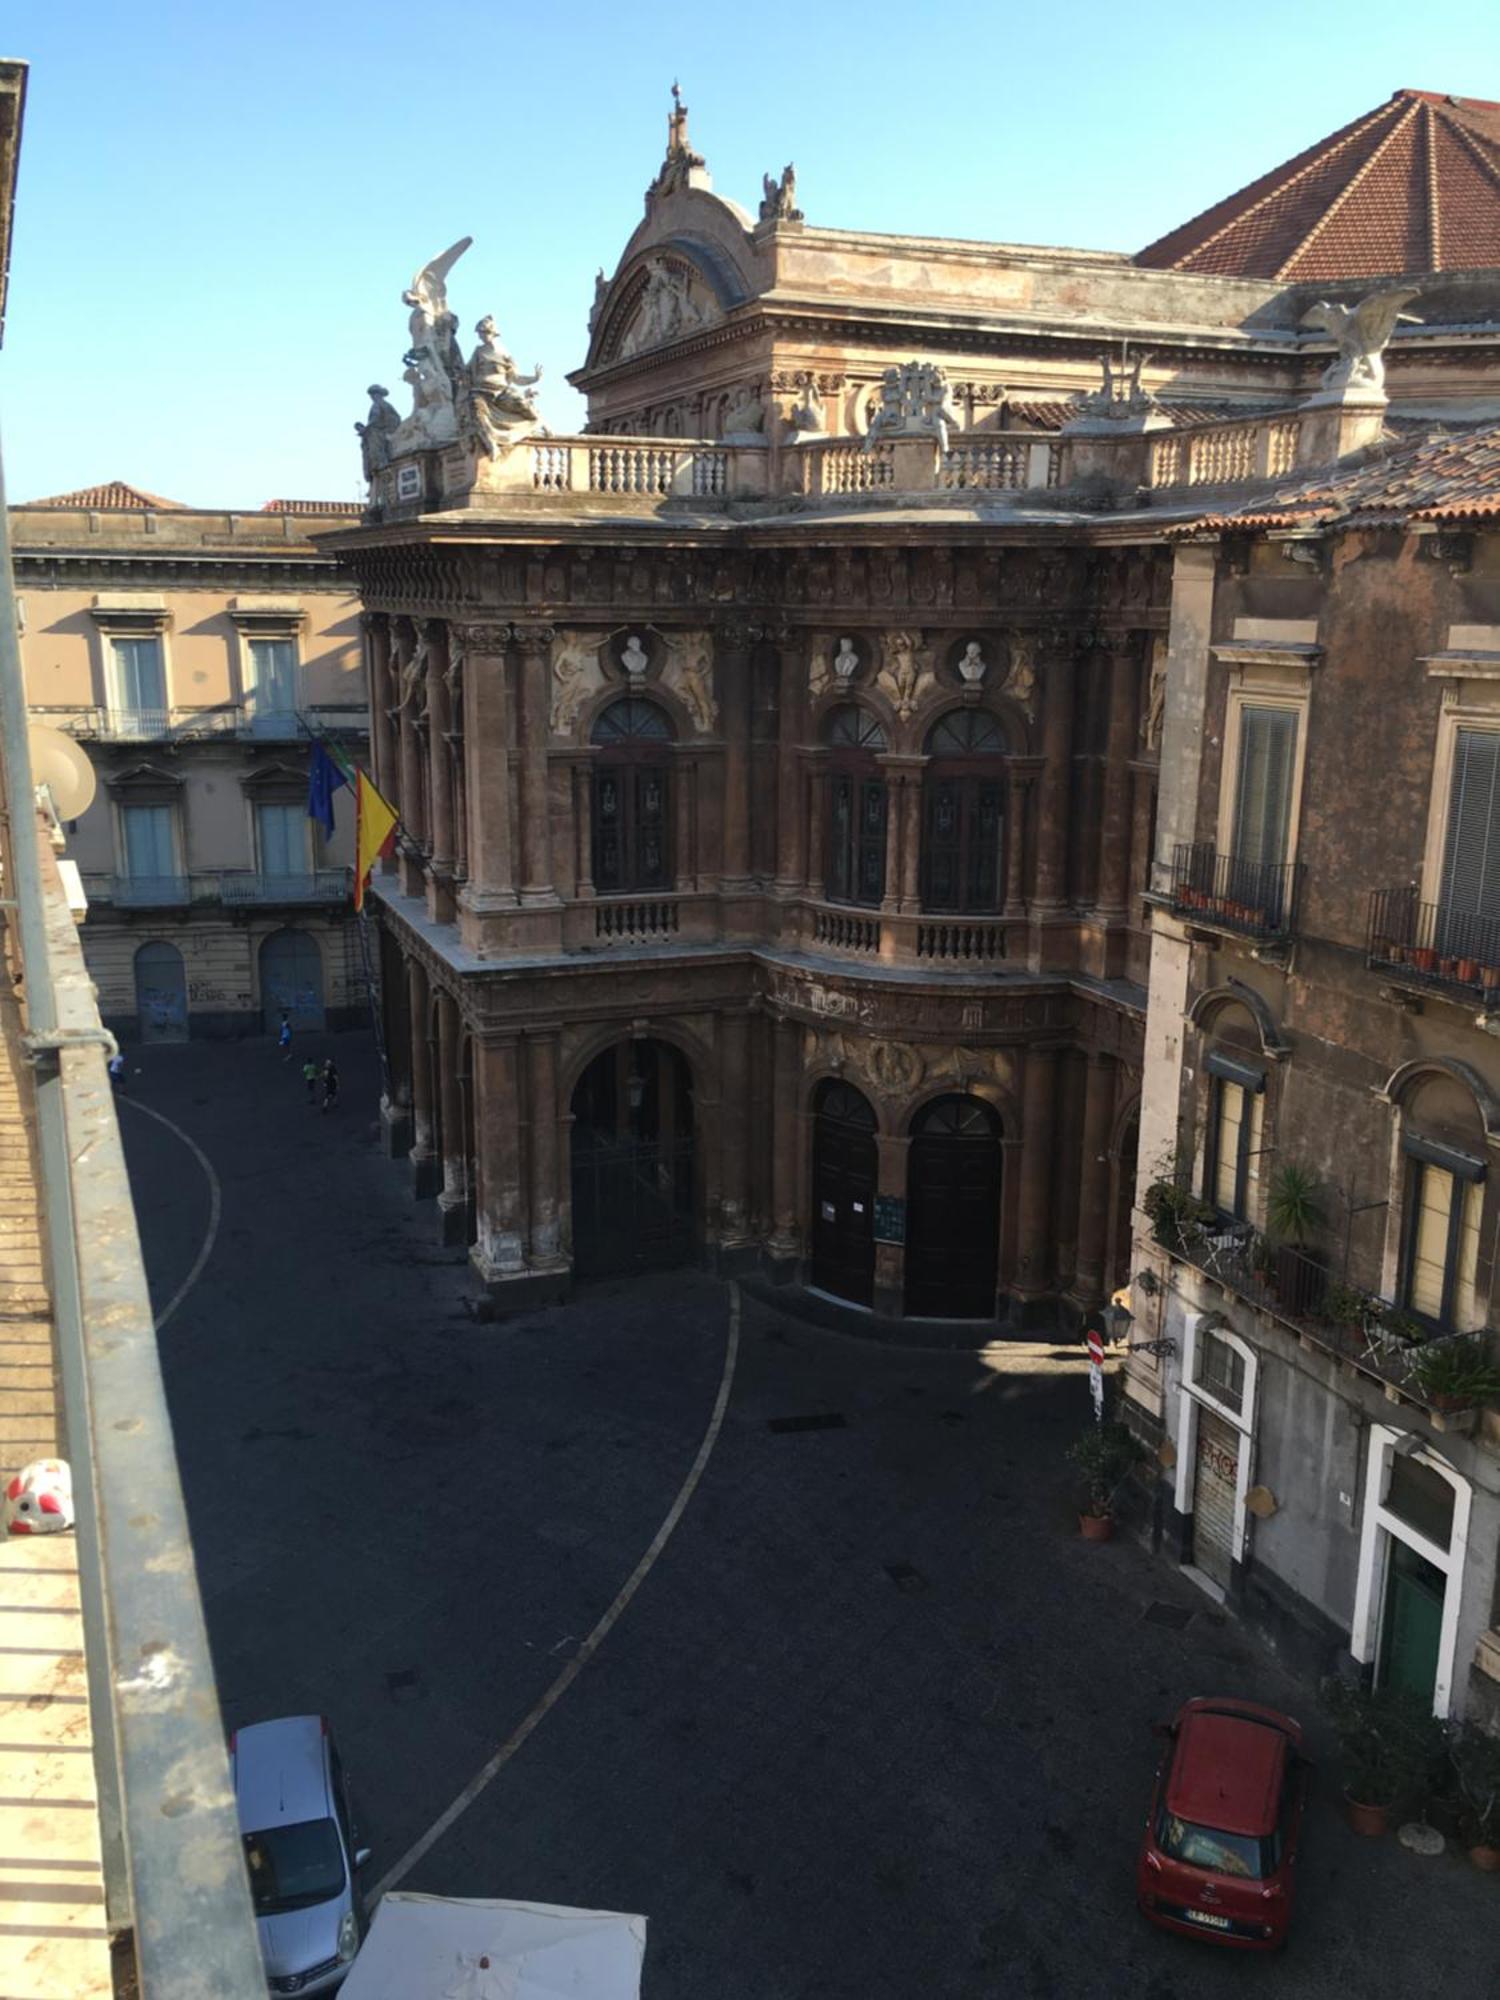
971, 667
845, 662
634, 659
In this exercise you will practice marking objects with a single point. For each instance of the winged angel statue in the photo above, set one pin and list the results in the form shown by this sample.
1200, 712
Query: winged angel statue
1362, 332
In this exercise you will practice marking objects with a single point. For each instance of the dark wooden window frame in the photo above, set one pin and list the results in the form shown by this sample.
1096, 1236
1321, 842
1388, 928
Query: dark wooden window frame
974, 782
857, 810
1423, 1156
631, 800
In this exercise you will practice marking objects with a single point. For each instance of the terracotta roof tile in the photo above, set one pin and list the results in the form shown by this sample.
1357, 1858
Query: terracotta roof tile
114, 497
1444, 476
311, 507
1413, 186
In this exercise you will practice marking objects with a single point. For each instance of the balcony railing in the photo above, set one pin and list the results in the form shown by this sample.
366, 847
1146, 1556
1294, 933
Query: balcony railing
149, 892
1435, 944
1254, 899
323, 885
636, 921
847, 930
1303, 1294
961, 940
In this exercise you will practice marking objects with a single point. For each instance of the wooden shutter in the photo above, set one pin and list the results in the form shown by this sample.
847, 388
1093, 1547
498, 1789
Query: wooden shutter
1471, 857
1263, 799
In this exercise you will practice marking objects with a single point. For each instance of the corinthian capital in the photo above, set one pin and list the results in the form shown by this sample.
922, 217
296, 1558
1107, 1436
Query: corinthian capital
533, 638
480, 638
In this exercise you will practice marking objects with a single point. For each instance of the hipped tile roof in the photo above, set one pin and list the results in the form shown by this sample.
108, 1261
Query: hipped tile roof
1450, 478
114, 497
1413, 186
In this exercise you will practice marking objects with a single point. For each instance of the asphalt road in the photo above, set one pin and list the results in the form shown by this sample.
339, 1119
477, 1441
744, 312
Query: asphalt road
876, 1723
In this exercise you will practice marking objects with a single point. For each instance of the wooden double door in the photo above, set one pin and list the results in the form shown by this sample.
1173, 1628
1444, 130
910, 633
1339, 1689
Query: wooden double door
953, 1210
845, 1167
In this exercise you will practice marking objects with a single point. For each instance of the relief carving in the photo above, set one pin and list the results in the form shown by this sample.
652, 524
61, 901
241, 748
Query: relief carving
905, 675
576, 677
688, 672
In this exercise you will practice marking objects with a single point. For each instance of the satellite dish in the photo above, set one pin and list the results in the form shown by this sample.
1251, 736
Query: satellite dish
58, 763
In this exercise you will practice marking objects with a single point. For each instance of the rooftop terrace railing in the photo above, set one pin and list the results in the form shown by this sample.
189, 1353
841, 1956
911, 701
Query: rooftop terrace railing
173, 1861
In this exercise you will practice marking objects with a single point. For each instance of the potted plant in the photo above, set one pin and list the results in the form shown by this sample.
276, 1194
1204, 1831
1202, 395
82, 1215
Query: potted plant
1174, 1211
1455, 1374
1489, 982
1467, 970
1475, 1757
1391, 1746
1294, 1214
1423, 957
1106, 1455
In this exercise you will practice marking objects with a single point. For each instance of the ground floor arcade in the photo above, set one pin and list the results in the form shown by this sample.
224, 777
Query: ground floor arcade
956, 1149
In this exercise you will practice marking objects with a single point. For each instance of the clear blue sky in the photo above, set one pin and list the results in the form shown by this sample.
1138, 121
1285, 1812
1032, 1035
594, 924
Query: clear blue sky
218, 207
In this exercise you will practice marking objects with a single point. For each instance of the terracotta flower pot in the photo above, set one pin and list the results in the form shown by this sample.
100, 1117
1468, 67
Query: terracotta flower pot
1367, 1819
1447, 968
1485, 1857
1096, 1527
1467, 969
1424, 958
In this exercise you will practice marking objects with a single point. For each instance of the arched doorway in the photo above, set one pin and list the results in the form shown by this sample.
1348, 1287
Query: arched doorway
843, 1193
291, 980
953, 1210
632, 1161
161, 993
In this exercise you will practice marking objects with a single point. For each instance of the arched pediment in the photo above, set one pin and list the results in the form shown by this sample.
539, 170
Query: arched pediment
1401, 1082
1235, 993
676, 286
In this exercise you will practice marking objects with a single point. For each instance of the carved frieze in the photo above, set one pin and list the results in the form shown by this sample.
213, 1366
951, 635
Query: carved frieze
906, 675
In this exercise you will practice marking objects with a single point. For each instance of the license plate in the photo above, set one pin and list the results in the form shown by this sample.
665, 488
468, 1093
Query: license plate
1207, 1917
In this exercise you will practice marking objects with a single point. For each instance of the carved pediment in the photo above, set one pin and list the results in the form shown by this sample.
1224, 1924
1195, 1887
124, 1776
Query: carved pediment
668, 298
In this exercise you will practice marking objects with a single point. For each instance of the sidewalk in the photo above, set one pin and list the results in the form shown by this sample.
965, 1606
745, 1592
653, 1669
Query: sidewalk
54, 1944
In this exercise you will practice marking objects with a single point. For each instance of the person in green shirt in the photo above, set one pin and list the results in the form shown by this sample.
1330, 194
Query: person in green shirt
310, 1078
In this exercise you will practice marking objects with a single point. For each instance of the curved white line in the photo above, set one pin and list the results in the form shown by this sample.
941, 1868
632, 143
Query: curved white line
215, 1208
402, 1868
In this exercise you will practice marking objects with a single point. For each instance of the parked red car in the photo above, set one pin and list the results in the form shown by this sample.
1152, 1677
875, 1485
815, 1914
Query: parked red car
1219, 1855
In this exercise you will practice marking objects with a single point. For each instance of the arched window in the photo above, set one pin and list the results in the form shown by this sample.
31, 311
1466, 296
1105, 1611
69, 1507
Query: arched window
963, 821
631, 833
854, 870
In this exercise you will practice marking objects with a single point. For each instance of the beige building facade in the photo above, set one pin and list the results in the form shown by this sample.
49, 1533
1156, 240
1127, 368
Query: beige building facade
194, 655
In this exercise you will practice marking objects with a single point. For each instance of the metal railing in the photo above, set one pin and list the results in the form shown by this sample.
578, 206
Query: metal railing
173, 1860
150, 892
1255, 899
1434, 944
323, 885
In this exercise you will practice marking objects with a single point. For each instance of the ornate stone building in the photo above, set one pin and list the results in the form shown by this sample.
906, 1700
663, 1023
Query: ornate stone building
778, 758
190, 652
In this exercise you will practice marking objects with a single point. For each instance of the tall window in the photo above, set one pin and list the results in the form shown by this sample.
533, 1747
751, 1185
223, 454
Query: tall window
281, 839
1471, 851
273, 685
1263, 791
1234, 1142
631, 798
150, 851
1440, 1265
963, 833
855, 864
138, 685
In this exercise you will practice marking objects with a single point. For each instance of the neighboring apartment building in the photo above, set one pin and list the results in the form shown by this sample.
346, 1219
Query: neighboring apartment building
779, 757
1325, 1007
192, 652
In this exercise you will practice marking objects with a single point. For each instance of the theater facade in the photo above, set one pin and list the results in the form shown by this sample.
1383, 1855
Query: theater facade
777, 758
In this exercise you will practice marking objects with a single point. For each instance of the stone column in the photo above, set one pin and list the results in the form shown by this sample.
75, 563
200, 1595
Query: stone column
439, 771
491, 883
903, 835
423, 1156
1015, 843
732, 676
454, 741
534, 682
542, 1108
453, 1196
1093, 1178
734, 1162
786, 1088
1057, 775
377, 633
791, 859
498, 1251
1114, 827
1033, 1248
408, 799
1142, 805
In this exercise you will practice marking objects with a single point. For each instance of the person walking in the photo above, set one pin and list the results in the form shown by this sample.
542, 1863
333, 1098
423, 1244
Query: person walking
284, 1037
330, 1084
117, 1071
310, 1078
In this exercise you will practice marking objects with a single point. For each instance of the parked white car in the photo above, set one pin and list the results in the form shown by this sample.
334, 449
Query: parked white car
300, 1851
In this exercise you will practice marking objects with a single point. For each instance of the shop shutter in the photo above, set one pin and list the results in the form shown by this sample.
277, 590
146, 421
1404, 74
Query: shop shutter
1217, 1469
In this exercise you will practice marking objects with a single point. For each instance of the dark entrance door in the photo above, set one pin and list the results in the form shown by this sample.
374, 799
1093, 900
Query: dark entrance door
1413, 1621
632, 1161
291, 980
161, 993
953, 1210
843, 1194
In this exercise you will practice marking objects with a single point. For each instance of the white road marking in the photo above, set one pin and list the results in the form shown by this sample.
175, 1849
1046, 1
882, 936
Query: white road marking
215, 1208
596, 1638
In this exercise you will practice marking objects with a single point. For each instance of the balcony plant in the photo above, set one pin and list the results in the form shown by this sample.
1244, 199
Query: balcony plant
1457, 1373
1475, 1758
1391, 1747
1175, 1212
1294, 1206
1106, 1454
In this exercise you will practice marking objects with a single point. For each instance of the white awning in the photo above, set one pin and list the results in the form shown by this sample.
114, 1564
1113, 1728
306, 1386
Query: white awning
465, 1948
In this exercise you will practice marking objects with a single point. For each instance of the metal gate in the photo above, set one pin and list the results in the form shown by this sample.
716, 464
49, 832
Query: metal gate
843, 1194
161, 993
632, 1165
291, 980
1215, 1481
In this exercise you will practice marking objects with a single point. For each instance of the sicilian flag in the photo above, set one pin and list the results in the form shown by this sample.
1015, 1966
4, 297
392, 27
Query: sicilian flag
374, 833
323, 779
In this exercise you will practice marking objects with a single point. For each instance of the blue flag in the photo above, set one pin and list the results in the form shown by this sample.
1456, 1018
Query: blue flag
323, 779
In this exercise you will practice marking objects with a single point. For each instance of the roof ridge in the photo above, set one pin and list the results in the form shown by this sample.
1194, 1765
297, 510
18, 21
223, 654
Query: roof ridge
1355, 180
1318, 155
1434, 207
1476, 152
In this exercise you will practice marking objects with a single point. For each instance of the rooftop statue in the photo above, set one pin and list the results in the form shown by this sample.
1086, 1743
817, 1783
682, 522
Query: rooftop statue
1362, 333
432, 363
431, 324
375, 431
497, 400
915, 401
779, 203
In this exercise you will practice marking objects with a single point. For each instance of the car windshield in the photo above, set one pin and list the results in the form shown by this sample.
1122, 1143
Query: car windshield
1243, 1854
292, 1867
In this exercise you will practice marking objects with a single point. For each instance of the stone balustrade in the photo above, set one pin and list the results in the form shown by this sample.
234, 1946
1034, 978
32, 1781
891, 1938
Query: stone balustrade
1233, 454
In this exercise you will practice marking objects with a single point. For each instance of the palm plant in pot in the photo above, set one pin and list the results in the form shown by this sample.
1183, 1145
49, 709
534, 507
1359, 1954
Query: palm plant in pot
1294, 1215
1455, 1374
1106, 1455
1391, 1746
1475, 1757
